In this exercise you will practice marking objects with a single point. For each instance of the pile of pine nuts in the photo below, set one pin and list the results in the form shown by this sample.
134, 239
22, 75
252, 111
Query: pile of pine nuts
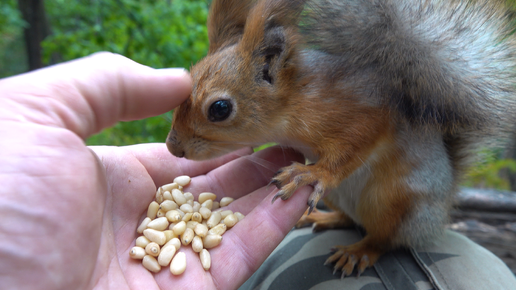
175, 219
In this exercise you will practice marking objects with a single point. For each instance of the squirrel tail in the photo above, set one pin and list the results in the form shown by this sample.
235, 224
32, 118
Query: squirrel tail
449, 64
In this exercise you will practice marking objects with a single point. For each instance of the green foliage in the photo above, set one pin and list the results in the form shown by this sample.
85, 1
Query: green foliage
487, 172
11, 40
150, 130
157, 33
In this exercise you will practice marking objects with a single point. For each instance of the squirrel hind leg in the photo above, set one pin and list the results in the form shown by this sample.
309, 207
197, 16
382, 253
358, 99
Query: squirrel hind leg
324, 220
360, 256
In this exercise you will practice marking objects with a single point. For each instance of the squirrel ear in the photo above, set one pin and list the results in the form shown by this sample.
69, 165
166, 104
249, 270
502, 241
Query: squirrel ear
269, 15
271, 34
226, 21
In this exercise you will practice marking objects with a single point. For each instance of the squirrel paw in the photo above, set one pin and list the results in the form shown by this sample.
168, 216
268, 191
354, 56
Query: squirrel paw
359, 256
292, 177
324, 220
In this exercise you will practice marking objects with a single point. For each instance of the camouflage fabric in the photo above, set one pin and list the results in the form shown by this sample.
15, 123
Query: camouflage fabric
454, 262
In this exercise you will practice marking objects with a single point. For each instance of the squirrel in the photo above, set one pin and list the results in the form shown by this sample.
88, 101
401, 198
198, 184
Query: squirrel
388, 99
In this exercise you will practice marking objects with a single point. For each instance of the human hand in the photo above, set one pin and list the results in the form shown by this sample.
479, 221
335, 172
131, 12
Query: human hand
68, 212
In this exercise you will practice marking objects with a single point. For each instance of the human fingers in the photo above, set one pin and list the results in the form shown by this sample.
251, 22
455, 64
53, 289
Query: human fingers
246, 174
251, 240
92, 93
162, 166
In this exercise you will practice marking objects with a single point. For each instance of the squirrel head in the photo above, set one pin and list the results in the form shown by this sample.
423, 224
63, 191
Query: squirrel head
241, 88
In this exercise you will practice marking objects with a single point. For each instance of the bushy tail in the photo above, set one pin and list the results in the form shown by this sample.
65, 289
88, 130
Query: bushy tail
445, 63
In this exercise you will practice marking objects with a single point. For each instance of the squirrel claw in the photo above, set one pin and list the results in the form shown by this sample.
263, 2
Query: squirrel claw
278, 194
276, 183
311, 205
357, 256
292, 177
281, 194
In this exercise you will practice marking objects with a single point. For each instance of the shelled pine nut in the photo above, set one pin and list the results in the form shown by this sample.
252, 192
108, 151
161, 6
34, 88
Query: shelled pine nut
176, 219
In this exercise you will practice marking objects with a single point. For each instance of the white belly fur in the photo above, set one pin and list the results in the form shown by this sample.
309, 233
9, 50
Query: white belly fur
347, 195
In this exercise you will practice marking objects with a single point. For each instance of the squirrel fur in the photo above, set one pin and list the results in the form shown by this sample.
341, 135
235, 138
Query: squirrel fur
388, 98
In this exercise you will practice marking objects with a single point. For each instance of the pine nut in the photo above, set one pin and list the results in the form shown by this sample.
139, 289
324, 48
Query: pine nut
187, 236
206, 196
173, 216
205, 212
174, 242
159, 195
216, 205
179, 228
183, 180
143, 225
201, 230
189, 196
226, 201
197, 244
155, 236
179, 198
219, 229
152, 210
169, 234
207, 204
187, 217
214, 219
152, 249
159, 224
182, 213
161, 213
230, 220
191, 224
186, 208
168, 205
178, 264
211, 241
167, 195
196, 206
205, 258
239, 215
142, 241
196, 217
137, 253
166, 255
225, 213
170, 186
150, 263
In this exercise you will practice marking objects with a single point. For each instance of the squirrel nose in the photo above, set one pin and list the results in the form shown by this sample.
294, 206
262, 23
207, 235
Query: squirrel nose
174, 145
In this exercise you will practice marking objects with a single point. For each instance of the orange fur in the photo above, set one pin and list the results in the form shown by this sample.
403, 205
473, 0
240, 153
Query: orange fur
369, 95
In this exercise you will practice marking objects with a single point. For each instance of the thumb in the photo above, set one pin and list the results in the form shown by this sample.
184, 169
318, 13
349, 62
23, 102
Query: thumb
94, 92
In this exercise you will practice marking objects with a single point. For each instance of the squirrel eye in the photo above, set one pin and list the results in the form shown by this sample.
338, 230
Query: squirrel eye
219, 110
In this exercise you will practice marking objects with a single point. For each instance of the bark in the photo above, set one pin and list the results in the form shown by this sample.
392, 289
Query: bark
33, 12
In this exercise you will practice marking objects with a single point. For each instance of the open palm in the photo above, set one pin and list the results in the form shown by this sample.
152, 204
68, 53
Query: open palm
68, 212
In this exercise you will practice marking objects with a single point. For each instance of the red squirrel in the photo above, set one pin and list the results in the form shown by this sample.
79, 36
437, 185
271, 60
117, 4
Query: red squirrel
387, 98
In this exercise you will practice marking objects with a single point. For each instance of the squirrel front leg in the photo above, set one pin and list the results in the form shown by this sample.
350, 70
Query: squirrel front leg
346, 150
325, 174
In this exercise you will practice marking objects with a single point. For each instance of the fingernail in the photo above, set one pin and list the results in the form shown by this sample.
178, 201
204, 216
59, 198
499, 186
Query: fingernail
173, 71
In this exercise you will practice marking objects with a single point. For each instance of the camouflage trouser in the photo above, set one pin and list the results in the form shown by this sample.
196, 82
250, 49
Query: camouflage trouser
453, 262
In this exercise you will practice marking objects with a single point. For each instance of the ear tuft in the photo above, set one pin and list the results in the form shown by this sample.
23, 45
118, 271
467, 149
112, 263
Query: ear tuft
269, 19
226, 21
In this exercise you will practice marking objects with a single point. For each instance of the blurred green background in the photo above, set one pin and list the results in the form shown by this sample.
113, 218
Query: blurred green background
157, 33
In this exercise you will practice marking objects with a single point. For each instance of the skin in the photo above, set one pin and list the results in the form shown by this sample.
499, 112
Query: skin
69, 212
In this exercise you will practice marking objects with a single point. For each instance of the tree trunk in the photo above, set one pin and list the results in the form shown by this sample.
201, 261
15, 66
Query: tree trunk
33, 12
